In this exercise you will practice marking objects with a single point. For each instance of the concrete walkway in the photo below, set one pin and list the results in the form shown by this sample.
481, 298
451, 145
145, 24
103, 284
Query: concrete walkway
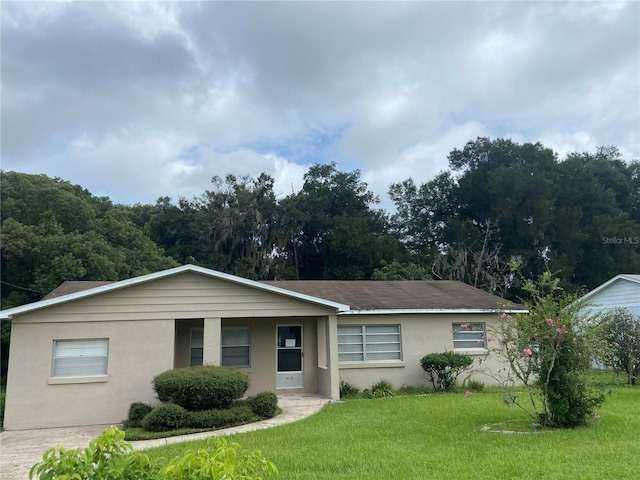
20, 449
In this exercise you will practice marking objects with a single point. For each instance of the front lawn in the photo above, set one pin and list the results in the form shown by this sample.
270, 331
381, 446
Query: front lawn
439, 437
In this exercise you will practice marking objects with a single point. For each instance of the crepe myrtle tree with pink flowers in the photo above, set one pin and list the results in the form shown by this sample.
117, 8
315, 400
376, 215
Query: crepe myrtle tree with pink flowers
549, 351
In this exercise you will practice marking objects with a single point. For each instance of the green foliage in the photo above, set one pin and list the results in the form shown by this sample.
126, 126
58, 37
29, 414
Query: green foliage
400, 271
622, 331
215, 418
380, 389
474, 385
108, 457
264, 404
503, 202
412, 390
168, 416
332, 230
53, 231
201, 387
219, 460
444, 368
137, 411
549, 351
348, 390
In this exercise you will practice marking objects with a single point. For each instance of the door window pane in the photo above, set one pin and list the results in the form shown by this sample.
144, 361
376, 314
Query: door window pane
289, 360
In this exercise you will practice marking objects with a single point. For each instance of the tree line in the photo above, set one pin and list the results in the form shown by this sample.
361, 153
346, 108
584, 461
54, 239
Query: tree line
502, 212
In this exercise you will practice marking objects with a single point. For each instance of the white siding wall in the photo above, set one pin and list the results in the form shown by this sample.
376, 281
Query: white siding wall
620, 294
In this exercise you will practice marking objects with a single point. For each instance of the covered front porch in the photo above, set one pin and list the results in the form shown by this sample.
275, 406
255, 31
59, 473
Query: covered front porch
285, 355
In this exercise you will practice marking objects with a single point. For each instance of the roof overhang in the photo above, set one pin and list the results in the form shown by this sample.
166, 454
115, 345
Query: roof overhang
30, 307
622, 276
410, 311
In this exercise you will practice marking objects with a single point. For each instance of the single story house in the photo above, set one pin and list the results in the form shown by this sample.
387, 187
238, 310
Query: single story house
83, 354
620, 292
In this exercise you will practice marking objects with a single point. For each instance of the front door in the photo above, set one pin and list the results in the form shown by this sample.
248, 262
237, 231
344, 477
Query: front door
289, 357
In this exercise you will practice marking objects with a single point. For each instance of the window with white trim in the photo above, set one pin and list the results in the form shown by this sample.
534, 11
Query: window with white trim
369, 343
469, 336
236, 347
196, 346
80, 357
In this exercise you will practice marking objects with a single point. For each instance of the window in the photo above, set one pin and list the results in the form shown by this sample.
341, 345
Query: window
197, 346
369, 343
236, 347
468, 336
79, 358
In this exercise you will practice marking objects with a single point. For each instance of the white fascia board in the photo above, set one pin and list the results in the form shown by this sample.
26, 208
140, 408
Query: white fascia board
29, 307
403, 311
622, 276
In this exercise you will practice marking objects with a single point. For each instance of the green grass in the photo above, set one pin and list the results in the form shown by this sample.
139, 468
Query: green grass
439, 437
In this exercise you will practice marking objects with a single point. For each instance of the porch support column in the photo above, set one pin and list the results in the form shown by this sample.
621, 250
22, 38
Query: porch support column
332, 333
211, 341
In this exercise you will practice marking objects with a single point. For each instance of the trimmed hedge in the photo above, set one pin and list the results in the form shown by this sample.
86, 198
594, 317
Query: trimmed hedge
220, 418
443, 368
202, 387
167, 416
137, 411
264, 404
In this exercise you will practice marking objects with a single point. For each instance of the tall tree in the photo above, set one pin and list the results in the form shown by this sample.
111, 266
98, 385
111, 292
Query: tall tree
54, 231
336, 234
506, 203
594, 234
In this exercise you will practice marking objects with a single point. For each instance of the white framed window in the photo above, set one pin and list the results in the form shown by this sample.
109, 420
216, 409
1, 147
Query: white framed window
196, 346
369, 343
236, 347
469, 336
80, 357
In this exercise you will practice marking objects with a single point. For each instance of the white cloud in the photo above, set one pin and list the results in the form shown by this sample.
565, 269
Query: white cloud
137, 100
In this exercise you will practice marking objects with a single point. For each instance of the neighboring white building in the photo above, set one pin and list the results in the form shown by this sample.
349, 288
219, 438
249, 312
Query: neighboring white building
622, 291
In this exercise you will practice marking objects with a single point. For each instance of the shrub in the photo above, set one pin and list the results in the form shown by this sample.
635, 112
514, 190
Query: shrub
107, 457
167, 416
110, 457
215, 418
380, 389
202, 387
220, 459
348, 390
443, 368
622, 331
137, 411
549, 350
474, 385
264, 404
410, 390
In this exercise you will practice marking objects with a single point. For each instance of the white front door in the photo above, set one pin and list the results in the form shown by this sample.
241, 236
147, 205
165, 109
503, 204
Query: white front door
289, 355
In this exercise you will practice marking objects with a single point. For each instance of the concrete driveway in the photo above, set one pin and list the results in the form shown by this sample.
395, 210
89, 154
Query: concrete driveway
21, 449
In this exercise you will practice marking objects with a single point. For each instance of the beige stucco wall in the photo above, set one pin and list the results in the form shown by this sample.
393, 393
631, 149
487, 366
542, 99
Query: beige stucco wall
138, 350
421, 334
140, 322
262, 372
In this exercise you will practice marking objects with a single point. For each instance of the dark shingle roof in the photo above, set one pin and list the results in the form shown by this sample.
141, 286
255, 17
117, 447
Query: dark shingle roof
392, 295
367, 294
72, 286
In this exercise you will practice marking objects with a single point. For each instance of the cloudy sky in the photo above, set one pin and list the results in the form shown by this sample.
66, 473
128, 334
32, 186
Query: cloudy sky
136, 100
